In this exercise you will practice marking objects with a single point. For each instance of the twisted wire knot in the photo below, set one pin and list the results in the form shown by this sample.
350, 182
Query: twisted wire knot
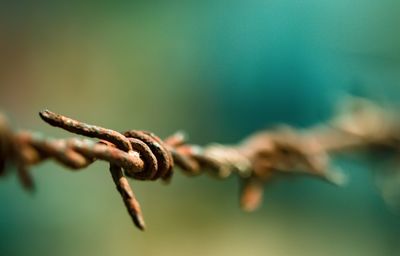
141, 155
157, 158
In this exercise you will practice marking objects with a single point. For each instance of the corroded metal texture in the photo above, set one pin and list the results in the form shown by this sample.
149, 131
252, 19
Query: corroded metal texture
141, 155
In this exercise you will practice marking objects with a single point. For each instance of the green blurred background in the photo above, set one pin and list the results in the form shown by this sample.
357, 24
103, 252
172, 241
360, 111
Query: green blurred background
218, 70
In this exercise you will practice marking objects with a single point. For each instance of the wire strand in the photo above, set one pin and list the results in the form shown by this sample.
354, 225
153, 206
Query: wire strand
141, 155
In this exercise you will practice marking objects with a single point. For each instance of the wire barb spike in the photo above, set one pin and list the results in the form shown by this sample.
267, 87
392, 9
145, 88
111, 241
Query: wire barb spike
141, 155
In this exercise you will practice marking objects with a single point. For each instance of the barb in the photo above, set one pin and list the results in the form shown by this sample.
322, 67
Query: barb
142, 155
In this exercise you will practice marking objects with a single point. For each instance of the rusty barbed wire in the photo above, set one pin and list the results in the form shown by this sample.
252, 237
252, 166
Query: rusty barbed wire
141, 155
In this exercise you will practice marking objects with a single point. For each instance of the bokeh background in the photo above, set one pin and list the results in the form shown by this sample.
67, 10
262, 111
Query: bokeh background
218, 70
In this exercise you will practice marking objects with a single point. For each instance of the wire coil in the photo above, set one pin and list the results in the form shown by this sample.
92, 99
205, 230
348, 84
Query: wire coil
141, 155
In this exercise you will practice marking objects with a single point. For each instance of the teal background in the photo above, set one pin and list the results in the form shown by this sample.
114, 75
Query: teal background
218, 70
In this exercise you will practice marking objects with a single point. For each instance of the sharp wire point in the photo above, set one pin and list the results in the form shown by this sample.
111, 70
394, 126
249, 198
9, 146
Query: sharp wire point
141, 155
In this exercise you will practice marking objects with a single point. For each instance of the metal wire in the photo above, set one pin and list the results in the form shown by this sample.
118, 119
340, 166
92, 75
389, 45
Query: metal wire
141, 155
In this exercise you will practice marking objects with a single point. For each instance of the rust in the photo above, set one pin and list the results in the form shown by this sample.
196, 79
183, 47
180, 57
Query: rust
251, 195
141, 155
163, 156
125, 190
149, 159
84, 129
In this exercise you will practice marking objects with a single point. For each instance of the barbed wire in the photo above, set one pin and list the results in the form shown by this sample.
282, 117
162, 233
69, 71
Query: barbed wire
141, 155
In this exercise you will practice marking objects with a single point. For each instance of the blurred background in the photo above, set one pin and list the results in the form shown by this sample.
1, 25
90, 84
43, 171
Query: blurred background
218, 70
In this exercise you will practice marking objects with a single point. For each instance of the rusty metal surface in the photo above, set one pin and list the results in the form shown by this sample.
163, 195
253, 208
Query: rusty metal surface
141, 155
